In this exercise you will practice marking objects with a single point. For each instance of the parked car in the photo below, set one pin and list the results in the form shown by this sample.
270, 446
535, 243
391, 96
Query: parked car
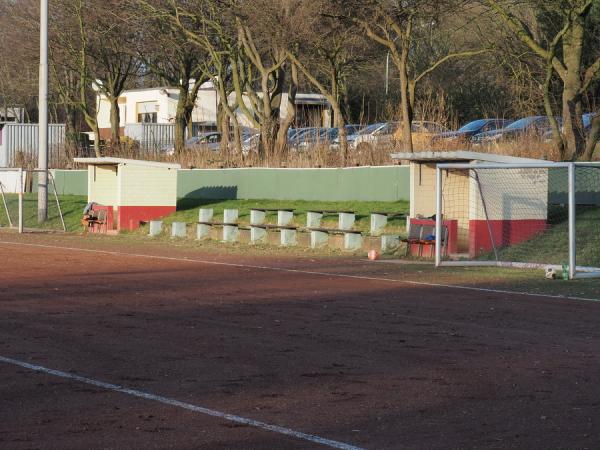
536, 126
317, 136
467, 131
210, 141
422, 131
250, 143
587, 126
351, 130
374, 134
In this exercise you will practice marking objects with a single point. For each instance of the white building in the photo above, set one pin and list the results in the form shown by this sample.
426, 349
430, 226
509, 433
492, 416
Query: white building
159, 105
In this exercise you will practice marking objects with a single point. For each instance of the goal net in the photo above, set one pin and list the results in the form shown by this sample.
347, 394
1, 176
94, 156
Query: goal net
543, 215
19, 202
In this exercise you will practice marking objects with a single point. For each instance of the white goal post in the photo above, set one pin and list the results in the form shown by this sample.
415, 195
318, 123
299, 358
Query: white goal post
13, 182
529, 215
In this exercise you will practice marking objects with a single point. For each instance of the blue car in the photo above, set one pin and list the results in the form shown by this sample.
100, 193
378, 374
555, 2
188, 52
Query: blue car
466, 132
587, 125
536, 126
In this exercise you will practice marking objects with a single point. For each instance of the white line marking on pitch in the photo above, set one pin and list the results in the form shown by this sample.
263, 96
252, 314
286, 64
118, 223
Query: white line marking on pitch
188, 406
306, 272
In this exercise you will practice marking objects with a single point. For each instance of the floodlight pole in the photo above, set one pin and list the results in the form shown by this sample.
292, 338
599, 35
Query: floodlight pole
43, 116
572, 223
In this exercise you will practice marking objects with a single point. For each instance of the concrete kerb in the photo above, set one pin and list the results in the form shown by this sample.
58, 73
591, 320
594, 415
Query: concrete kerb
230, 215
203, 231
389, 243
178, 230
313, 219
318, 239
353, 242
288, 238
257, 217
378, 224
231, 233
258, 235
205, 215
346, 221
155, 228
284, 218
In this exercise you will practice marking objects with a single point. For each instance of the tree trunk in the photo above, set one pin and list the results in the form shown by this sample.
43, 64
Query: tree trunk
556, 133
71, 132
338, 120
282, 135
271, 109
571, 99
593, 139
181, 119
115, 122
96, 131
405, 105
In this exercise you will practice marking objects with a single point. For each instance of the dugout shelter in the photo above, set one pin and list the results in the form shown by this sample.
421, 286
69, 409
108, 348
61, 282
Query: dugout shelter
133, 191
479, 210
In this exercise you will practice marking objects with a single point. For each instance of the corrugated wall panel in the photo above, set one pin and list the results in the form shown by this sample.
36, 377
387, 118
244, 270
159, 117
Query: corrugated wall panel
20, 141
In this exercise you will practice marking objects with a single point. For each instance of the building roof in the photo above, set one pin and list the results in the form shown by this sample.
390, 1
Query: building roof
461, 156
107, 161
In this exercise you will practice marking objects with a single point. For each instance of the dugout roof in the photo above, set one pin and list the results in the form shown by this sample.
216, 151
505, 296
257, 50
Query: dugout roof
108, 161
461, 156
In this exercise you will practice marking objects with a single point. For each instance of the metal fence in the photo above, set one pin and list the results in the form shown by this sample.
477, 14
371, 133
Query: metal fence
156, 137
19, 143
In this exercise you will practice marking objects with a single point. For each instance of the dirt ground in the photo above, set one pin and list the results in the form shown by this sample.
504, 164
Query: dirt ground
340, 348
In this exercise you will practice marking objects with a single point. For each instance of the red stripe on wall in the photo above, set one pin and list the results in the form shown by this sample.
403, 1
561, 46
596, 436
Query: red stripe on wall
504, 232
131, 216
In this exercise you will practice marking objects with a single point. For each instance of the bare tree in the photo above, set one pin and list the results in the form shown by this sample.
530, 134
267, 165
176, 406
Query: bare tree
326, 50
168, 53
396, 26
563, 52
112, 50
71, 64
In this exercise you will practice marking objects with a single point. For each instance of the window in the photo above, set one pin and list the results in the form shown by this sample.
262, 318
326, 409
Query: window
147, 112
148, 117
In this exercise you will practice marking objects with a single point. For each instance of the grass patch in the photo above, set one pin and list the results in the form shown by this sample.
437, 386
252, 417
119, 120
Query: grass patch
187, 211
552, 246
71, 205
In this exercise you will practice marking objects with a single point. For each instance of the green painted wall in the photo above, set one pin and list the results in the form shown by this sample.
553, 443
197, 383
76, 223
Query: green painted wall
357, 183
389, 183
71, 182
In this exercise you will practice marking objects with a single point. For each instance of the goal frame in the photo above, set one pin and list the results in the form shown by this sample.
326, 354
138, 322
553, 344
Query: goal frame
21, 226
575, 272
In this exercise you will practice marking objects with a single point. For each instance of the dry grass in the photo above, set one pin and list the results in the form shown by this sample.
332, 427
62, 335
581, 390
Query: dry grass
322, 156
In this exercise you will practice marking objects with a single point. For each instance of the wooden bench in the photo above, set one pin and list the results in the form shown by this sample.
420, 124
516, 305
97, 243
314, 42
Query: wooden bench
320, 236
379, 221
346, 219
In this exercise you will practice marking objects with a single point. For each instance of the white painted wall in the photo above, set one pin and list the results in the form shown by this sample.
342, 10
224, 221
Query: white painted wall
164, 101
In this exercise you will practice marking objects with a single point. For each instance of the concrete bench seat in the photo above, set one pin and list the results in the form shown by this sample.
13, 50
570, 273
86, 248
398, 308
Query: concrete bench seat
258, 233
273, 209
379, 221
346, 219
330, 211
285, 216
230, 226
218, 224
320, 236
